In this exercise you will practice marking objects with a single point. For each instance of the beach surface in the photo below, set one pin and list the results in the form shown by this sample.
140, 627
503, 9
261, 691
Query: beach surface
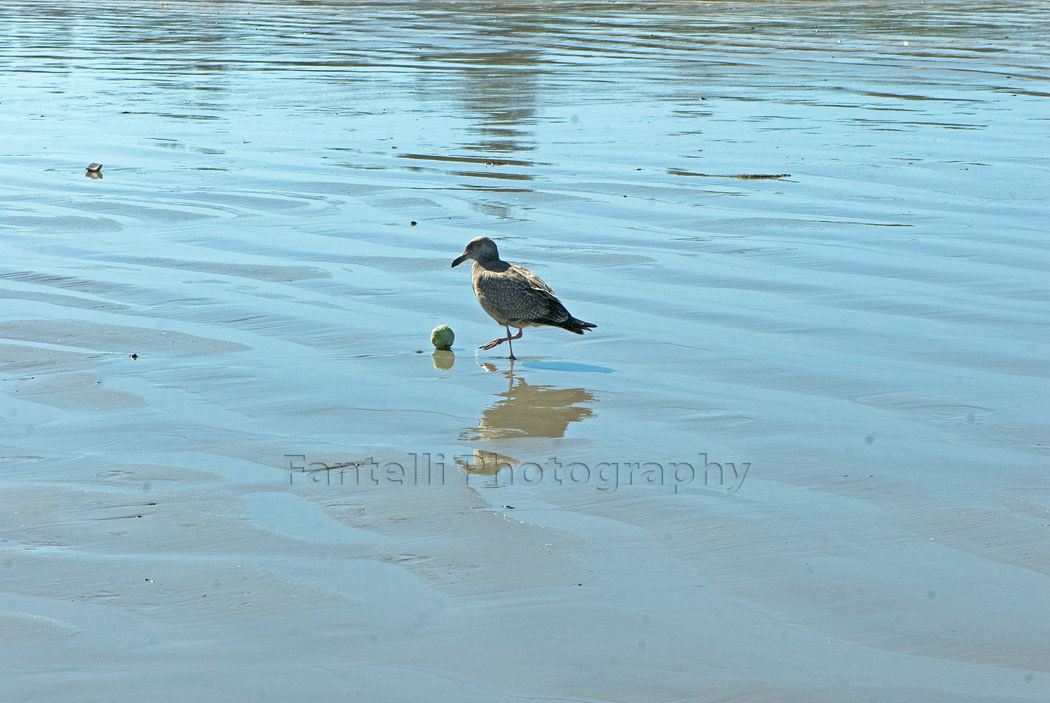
804, 456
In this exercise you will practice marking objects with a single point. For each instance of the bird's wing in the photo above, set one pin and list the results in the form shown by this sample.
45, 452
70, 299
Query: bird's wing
531, 279
521, 295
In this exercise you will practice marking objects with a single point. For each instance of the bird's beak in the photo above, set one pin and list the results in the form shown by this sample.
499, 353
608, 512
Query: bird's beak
459, 260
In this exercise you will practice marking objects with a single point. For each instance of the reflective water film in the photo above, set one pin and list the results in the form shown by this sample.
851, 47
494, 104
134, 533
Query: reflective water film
802, 457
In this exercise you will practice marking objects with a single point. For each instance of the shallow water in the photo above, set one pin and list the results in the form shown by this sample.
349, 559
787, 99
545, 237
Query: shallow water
802, 457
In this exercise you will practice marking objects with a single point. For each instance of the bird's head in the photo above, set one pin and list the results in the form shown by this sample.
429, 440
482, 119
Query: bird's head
480, 249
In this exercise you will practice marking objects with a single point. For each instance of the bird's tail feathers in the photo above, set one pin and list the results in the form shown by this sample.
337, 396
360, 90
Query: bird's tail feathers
577, 326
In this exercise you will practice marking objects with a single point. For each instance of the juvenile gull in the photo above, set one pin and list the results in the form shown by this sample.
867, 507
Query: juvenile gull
513, 296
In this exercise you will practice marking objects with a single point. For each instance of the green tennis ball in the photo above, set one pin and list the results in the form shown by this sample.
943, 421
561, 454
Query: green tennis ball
442, 337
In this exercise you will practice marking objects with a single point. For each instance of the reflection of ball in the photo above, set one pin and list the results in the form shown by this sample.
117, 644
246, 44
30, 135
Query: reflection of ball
442, 337
443, 359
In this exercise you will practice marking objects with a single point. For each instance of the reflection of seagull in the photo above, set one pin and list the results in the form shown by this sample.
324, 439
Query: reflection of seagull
512, 295
525, 410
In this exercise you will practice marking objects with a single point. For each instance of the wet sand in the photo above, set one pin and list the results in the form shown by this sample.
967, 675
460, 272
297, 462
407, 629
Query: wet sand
803, 457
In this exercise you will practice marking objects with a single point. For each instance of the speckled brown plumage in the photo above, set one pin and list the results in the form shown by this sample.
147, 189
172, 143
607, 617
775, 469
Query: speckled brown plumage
513, 296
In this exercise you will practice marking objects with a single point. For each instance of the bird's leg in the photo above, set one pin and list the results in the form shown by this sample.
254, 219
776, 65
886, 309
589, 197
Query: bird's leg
493, 343
517, 336
501, 340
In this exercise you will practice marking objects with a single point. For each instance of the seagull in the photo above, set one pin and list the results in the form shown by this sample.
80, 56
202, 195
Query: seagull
513, 296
